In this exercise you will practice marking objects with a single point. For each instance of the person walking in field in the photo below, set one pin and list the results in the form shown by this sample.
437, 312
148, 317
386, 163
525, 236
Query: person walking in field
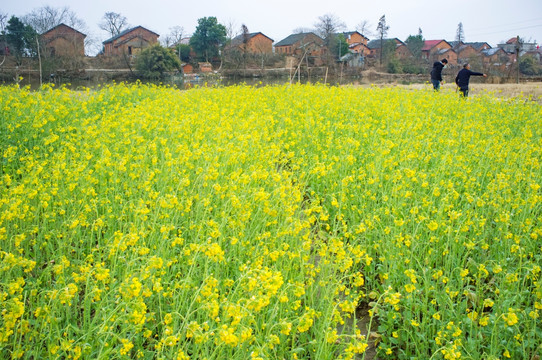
436, 73
463, 77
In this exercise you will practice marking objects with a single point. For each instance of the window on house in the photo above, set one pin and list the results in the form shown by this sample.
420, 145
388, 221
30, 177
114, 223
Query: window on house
129, 50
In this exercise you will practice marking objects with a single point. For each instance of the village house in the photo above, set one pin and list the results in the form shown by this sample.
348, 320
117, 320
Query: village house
402, 51
496, 58
465, 52
444, 53
63, 40
307, 46
357, 42
256, 43
524, 48
479, 46
435, 47
298, 44
130, 42
511, 45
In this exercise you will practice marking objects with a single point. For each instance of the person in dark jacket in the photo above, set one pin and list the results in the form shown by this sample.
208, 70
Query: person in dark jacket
436, 73
463, 77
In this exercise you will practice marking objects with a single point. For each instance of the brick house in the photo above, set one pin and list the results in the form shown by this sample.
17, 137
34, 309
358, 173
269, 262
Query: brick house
402, 51
357, 42
466, 52
444, 53
130, 42
63, 40
479, 46
432, 47
297, 44
496, 58
256, 43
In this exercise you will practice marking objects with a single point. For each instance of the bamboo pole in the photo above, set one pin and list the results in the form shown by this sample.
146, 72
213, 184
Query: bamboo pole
39, 60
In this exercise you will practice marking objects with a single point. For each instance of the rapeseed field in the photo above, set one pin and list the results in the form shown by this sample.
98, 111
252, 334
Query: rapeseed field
144, 222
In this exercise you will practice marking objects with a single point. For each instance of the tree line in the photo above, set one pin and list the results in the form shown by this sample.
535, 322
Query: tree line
210, 40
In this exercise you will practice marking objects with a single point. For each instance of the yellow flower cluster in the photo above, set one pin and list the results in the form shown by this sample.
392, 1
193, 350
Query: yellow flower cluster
140, 221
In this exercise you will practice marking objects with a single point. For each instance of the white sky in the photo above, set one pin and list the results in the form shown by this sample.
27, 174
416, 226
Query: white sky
491, 21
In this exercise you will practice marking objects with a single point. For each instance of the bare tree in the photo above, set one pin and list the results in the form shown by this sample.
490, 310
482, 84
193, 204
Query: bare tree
113, 23
3, 21
301, 30
166, 41
328, 25
176, 33
174, 36
364, 28
327, 28
231, 30
45, 18
382, 30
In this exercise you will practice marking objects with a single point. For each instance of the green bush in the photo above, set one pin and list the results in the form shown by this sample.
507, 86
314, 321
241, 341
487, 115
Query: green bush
528, 65
394, 66
155, 61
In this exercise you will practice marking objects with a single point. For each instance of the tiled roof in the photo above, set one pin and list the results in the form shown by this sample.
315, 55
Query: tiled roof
122, 33
478, 45
62, 24
492, 51
292, 39
239, 39
443, 51
348, 33
429, 44
475, 45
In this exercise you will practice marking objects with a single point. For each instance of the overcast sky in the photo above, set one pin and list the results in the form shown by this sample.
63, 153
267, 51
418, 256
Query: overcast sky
489, 21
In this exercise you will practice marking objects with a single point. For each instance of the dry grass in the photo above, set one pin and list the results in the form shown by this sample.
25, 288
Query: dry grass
531, 91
